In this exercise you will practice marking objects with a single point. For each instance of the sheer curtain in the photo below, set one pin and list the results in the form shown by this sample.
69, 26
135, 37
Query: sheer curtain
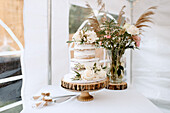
60, 34
151, 63
36, 44
35, 33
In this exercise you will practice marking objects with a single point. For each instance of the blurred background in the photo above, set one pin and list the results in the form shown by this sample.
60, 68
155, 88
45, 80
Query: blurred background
11, 13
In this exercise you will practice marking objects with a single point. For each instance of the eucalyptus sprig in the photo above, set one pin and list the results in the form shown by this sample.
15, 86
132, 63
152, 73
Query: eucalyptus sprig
77, 77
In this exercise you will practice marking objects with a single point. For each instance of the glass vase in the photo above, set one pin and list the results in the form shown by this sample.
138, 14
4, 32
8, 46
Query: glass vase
115, 67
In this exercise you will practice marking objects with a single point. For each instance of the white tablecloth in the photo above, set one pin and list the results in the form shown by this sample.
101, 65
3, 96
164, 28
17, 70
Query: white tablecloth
105, 101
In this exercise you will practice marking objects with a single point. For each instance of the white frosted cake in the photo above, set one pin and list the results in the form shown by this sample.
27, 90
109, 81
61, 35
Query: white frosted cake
84, 66
84, 51
84, 55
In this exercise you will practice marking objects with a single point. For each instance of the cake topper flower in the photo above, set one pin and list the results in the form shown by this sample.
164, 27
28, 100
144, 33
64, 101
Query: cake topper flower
84, 36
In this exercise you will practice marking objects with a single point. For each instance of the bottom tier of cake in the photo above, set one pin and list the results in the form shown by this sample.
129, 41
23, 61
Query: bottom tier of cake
80, 64
69, 78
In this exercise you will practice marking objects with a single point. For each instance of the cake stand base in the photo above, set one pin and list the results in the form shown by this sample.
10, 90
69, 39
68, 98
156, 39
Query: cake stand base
84, 88
116, 86
84, 96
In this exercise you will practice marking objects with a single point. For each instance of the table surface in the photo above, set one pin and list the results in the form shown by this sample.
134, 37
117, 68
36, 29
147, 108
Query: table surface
126, 101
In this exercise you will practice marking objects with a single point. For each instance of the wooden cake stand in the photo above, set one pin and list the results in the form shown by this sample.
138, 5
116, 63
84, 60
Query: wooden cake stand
84, 88
116, 86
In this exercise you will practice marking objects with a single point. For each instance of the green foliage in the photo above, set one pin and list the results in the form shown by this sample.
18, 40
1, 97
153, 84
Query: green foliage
77, 74
118, 72
104, 67
77, 77
69, 41
120, 39
121, 67
117, 40
95, 68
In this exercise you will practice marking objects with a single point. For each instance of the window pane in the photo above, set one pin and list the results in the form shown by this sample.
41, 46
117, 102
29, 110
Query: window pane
16, 109
11, 13
76, 17
10, 92
10, 66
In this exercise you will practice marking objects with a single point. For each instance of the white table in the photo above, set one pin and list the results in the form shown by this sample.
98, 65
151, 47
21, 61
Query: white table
105, 101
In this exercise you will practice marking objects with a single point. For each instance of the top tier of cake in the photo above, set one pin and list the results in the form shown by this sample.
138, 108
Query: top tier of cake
84, 51
84, 55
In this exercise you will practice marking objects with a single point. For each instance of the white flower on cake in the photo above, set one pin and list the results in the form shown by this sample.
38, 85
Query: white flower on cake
84, 36
91, 36
133, 30
77, 37
99, 75
91, 72
87, 75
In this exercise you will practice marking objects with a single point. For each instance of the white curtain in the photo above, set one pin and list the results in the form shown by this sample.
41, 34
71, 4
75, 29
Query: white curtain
36, 44
60, 34
35, 33
151, 63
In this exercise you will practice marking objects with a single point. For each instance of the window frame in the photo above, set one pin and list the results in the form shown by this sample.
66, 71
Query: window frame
9, 53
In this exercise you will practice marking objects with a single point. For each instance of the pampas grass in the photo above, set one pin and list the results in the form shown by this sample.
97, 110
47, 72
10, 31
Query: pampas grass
145, 18
94, 23
121, 13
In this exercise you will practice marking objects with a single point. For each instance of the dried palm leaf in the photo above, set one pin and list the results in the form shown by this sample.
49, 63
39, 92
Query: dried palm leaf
153, 7
91, 9
145, 18
104, 18
140, 26
141, 30
121, 13
102, 8
99, 2
94, 23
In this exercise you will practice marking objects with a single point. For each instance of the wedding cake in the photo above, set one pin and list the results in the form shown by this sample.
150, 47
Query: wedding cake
85, 66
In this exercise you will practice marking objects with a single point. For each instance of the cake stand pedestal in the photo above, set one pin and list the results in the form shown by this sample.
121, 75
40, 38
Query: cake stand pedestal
84, 88
85, 96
